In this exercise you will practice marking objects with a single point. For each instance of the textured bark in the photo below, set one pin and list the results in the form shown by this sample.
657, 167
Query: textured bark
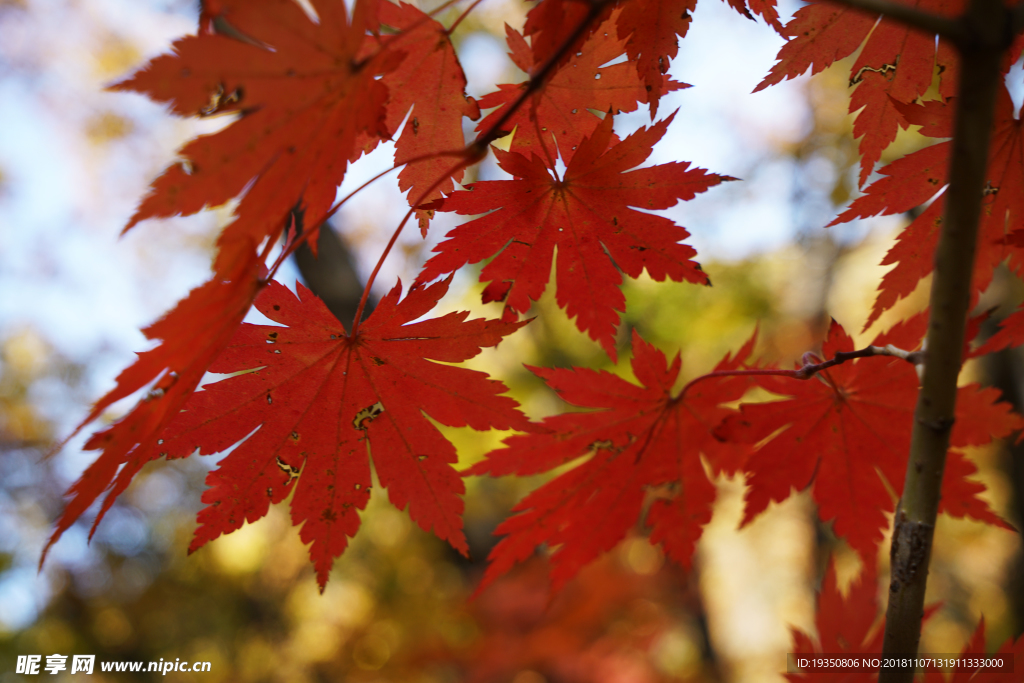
984, 35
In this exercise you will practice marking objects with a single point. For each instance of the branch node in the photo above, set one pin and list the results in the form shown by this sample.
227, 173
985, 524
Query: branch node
911, 547
938, 425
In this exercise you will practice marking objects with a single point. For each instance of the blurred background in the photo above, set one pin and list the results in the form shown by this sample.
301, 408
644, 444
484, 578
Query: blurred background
74, 160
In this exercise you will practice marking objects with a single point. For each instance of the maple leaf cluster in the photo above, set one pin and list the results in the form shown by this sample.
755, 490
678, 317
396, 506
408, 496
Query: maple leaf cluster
311, 401
850, 624
307, 96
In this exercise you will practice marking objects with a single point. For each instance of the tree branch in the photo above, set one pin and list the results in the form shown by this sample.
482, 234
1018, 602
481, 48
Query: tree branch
810, 368
331, 275
986, 35
1017, 19
911, 16
538, 78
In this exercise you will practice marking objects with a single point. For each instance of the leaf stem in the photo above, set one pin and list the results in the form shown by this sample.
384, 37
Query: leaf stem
441, 8
290, 248
451, 29
478, 148
986, 35
463, 163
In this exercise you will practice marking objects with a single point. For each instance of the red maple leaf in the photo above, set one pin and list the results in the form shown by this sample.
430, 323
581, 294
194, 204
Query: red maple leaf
431, 81
575, 636
844, 627
318, 398
582, 214
192, 335
558, 110
641, 439
650, 29
766, 9
1009, 653
1009, 335
307, 105
836, 432
913, 180
551, 23
896, 64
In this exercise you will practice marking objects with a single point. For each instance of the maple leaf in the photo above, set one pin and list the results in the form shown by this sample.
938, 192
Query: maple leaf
193, 334
913, 180
962, 674
896, 64
315, 399
1010, 651
551, 23
836, 432
582, 214
431, 81
576, 635
1009, 335
649, 28
639, 439
844, 627
766, 9
559, 108
306, 104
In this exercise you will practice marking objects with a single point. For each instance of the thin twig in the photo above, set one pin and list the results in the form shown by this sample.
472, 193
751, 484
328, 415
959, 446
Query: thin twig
537, 79
463, 163
451, 29
476, 150
809, 369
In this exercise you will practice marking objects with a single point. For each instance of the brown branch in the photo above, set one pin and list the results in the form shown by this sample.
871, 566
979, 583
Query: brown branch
985, 36
1017, 19
810, 369
331, 275
537, 79
911, 16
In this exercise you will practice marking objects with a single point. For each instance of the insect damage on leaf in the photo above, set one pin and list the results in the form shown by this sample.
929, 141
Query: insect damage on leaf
312, 87
895, 66
311, 98
305, 429
365, 416
913, 180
